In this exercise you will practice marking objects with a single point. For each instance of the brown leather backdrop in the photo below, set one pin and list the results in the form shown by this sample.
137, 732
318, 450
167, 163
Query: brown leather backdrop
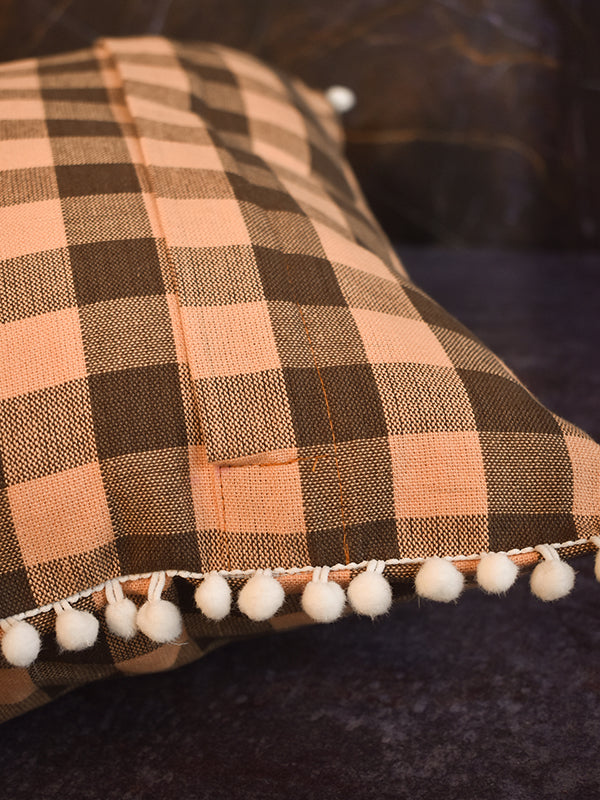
477, 122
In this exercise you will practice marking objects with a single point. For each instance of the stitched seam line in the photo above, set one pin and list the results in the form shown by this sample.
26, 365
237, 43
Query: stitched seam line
278, 463
104, 46
335, 452
224, 531
152, 196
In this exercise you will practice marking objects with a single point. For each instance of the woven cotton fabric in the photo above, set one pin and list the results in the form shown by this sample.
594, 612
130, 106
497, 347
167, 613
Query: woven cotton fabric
210, 357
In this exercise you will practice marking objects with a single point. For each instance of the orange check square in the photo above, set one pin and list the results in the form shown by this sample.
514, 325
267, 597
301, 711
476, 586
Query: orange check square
203, 223
37, 153
585, 459
60, 515
390, 339
263, 499
31, 228
229, 340
438, 474
340, 250
49, 352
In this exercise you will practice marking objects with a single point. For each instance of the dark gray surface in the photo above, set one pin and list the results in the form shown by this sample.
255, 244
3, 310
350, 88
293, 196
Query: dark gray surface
487, 698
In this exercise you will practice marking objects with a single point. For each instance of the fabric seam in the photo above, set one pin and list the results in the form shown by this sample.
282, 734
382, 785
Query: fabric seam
276, 571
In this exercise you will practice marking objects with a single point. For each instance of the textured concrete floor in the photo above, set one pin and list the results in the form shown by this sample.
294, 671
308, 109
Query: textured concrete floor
488, 698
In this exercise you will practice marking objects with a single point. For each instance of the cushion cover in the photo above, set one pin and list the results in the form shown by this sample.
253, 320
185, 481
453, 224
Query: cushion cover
211, 361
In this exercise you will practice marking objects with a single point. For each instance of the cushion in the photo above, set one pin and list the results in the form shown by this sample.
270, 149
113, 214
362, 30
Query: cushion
225, 408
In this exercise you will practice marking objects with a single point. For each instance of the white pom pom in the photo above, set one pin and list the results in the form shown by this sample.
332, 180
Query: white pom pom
261, 597
213, 596
552, 579
160, 620
76, 630
496, 573
21, 644
121, 618
370, 594
596, 540
438, 579
323, 600
342, 98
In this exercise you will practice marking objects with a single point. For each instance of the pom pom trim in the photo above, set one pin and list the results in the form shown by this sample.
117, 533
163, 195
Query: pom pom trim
552, 578
369, 593
596, 540
323, 600
438, 579
160, 620
120, 612
76, 629
496, 573
21, 643
113, 588
261, 596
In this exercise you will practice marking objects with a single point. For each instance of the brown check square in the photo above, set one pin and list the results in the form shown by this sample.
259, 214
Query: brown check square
129, 332
219, 276
245, 414
36, 284
137, 410
149, 493
34, 442
115, 269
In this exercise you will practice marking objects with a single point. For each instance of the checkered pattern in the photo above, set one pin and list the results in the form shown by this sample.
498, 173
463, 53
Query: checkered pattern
210, 357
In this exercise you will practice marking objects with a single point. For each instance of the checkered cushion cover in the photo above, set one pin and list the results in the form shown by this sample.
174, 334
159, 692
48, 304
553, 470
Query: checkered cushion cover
210, 357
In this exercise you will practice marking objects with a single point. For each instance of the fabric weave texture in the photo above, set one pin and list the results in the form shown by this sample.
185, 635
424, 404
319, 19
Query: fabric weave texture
211, 358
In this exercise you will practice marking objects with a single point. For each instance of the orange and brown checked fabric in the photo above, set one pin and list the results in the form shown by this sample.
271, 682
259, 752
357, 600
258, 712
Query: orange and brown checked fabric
211, 359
